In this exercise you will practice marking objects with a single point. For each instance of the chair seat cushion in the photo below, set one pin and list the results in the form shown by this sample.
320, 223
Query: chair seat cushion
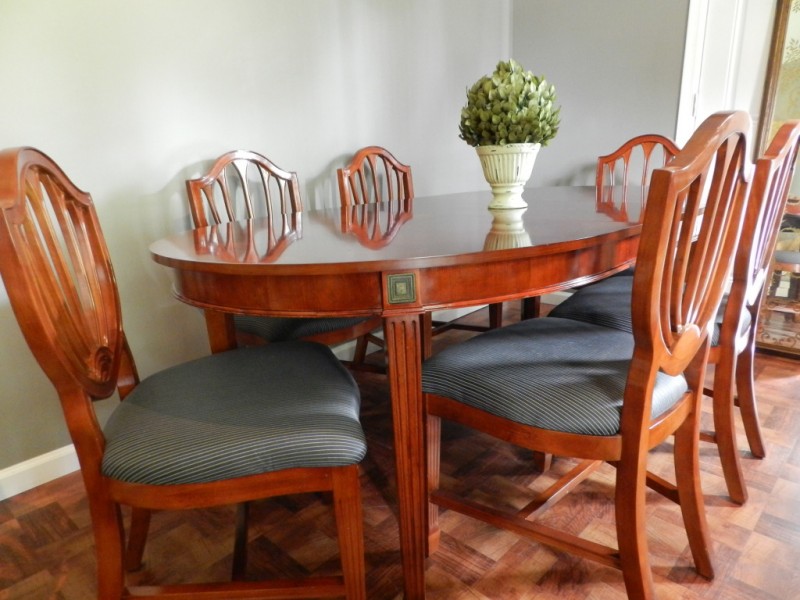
282, 329
608, 303
237, 413
555, 374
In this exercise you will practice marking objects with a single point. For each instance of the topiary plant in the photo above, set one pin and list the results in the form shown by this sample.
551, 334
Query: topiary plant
512, 106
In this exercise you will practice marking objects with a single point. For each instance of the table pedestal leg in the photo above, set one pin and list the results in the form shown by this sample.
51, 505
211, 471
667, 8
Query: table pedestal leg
221, 333
404, 347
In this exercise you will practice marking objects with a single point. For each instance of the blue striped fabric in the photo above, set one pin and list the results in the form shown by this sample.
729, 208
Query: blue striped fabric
555, 374
608, 303
282, 329
237, 413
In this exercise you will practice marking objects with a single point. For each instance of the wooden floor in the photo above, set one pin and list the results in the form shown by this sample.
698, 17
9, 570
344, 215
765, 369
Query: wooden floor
46, 546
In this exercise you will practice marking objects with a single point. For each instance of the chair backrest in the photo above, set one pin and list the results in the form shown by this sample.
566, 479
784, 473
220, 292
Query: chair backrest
693, 218
242, 185
630, 165
58, 275
752, 267
374, 175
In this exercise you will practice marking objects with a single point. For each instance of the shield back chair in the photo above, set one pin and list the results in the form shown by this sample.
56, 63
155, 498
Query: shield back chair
733, 356
617, 175
597, 394
241, 186
628, 168
375, 175
227, 428
732, 352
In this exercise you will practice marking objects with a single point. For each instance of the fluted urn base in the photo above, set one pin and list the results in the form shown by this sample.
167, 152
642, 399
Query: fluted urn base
507, 231
507, 169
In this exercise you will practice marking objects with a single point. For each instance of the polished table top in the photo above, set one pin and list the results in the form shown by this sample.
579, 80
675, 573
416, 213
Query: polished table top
400, 261
454, 230
438, 228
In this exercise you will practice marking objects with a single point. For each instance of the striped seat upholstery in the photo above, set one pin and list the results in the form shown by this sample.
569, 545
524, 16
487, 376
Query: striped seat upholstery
283, 329
555, 374
608, 303
286, 405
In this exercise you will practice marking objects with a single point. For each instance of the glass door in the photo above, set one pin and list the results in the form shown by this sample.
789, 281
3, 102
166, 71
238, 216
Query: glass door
779, 322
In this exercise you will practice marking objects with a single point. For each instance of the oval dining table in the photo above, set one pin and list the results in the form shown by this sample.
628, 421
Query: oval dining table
400, 260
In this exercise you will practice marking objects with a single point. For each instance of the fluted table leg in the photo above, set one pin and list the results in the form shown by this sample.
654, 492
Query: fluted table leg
404, 347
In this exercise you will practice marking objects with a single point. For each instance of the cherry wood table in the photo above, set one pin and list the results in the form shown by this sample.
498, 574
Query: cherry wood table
399, 261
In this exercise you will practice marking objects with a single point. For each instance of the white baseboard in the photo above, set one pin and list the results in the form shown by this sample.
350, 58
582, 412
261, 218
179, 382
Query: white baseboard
37, 471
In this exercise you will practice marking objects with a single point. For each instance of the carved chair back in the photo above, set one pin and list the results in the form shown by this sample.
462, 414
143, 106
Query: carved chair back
242, 185
629, 166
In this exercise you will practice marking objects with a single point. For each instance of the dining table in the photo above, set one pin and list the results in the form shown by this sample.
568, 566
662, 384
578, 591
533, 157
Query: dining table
402, 260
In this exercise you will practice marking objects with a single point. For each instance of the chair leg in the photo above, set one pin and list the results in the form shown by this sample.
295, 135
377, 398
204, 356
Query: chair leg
725, 427
109, 538
531, 307
137, 537
360, 353
690, 492
239, 566
746, 397
426, 325
629, 506
542, 461
433, 467
350, 529
496, 315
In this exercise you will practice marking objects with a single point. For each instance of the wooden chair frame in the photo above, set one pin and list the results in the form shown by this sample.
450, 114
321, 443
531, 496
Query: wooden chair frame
606, 167
373, 171
675, 302
734, 355
60, 282
605, 186
205, 206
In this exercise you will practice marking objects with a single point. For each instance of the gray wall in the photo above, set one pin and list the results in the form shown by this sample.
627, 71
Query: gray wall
616, 65
131, 98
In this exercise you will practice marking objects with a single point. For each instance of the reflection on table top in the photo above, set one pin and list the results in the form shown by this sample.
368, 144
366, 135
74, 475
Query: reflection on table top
430, 229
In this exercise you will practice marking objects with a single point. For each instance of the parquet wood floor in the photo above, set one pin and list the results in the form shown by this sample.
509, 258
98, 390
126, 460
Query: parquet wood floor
46, 549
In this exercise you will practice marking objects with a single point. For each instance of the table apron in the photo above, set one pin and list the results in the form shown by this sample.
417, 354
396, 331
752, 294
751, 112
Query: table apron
470, 284
351, 294
364, 293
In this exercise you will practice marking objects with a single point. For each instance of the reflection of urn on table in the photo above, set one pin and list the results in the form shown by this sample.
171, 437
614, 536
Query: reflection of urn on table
507, 230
